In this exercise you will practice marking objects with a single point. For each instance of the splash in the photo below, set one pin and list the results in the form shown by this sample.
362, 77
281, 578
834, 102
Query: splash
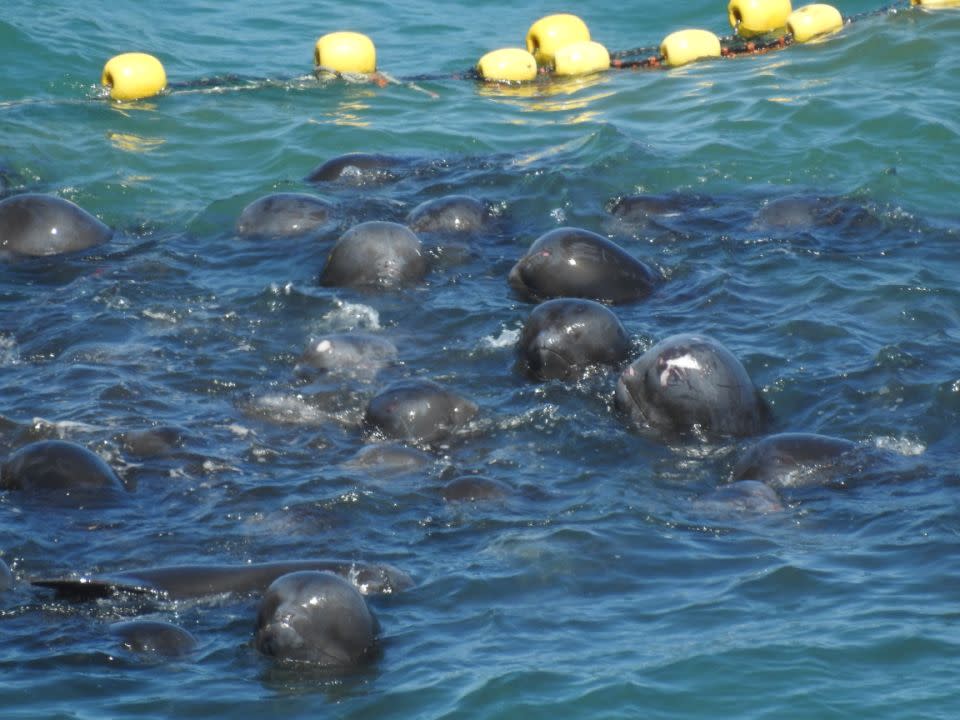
507, 338
352, 316
901, 446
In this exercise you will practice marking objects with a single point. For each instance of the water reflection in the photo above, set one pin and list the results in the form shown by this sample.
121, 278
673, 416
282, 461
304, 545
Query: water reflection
554, 95
348, 112
130, 142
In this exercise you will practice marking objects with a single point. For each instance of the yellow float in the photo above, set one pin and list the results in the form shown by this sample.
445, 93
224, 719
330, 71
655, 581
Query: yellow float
551, 33
134, 75
345, 52
756, 17
508, 65
812, 21
685, 46
581, 58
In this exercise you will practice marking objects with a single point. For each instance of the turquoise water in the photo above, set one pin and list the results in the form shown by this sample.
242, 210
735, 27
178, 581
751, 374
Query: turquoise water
601, 585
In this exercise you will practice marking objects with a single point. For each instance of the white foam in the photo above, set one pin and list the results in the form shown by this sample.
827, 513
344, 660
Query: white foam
239, 430
350, 316
161, 316
214, 466
285, 290
507, 338
63, 428
288, 409
9, 351
901, 446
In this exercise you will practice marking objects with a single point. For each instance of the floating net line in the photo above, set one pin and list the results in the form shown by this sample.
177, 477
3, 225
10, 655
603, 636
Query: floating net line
144, 76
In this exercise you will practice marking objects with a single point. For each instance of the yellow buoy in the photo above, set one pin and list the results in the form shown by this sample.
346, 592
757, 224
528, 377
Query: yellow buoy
685, 46
936, 3
133, 75
550, 33
581, 58
812, 21
756, 17
508, 65
345, 52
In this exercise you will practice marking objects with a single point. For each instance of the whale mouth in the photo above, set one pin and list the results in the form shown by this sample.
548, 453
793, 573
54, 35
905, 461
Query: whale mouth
546, 363
279, 639
626, 397
637, 393
515, 279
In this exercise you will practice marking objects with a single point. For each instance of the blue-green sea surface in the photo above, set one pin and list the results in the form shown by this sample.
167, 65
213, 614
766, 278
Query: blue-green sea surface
604, 578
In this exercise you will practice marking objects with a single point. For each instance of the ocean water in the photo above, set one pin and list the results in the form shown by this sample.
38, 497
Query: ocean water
602, 582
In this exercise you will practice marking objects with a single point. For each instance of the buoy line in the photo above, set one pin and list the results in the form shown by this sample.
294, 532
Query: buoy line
557, 45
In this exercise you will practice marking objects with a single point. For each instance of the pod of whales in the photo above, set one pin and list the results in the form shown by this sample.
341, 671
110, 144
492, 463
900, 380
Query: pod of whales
315, 617
37, 225
375, 254
572, 262
562, 338
691, 384
181, 582
314, 611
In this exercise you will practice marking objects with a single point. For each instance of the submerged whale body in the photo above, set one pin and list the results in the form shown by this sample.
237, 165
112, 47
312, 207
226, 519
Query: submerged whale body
6, 576
572, 262
153, 637
389, 458
358, 169
181, 582
743, 496
420, 411
793, 460
152, 442
474, 489
354, 354
58, 467
640, 208
38, 225
282, 215
448, 214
